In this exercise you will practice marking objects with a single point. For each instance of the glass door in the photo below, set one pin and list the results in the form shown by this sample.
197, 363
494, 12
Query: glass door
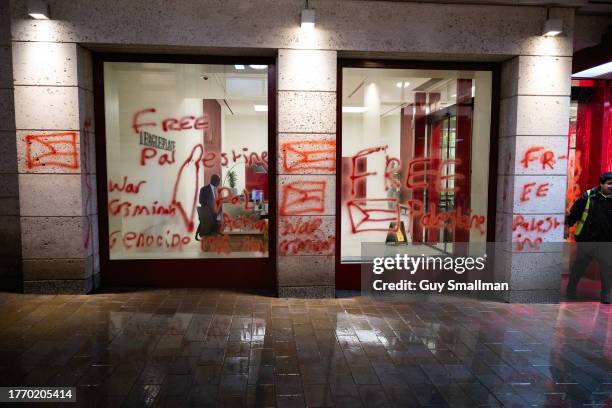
442, 133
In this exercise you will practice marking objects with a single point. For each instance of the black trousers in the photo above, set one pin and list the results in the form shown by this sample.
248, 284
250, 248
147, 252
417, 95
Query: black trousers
587, 252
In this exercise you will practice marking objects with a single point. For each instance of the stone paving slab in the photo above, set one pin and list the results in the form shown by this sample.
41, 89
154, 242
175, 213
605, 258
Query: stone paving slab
192, 347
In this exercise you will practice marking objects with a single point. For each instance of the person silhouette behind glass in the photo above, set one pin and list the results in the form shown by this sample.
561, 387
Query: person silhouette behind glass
208, 213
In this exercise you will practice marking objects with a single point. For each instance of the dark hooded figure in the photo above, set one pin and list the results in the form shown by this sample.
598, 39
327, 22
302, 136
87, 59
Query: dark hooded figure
592, 214
208, 213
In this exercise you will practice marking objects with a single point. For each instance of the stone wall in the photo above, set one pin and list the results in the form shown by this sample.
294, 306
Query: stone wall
10, 225
420, 29
53, 94
306, 122
56, 166
532, 180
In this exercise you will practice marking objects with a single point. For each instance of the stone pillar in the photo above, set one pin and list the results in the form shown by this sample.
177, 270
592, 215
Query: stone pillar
10, 228
306, 173
56, 165
532, 181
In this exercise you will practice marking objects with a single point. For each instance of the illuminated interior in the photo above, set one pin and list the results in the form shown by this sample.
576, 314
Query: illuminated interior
415, 148
169, 129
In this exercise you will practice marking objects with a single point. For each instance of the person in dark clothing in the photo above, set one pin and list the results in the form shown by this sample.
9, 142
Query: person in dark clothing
592, 214
208, 213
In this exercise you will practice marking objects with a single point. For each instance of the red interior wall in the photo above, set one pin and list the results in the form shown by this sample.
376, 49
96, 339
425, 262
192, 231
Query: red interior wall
256, 181
594, 133
463, 150
435, 143
594, 140
420, 123
406, 148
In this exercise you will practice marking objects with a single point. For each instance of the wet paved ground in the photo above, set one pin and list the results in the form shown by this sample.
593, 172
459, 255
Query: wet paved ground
206, 348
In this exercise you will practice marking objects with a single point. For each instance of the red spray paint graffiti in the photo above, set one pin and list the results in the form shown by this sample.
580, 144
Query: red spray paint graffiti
128, 188
142, 240
242, 223
191, 165
222, 244
116, 207
149, 153
52, 149
531, 243
534, 226
225, 195
226, 158
421, 173
434, 178
299, 156
354, 176
546, 158
304, 197
375, 214
540, 191
304, 237
457, 218
170, 124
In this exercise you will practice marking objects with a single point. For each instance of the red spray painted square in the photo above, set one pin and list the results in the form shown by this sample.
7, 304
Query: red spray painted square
52, 149
305, 197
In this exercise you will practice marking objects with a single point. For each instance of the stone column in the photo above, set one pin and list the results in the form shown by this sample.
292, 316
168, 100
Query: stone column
306, 173
10, 228
532, 181
56, 165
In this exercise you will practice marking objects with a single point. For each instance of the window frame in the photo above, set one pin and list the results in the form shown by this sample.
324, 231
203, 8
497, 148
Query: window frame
235, 273
348, 274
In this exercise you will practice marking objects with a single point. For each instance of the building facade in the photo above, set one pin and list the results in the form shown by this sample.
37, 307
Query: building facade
102, 81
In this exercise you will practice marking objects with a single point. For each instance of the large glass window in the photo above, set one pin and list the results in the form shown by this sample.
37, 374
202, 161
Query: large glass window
186, 149
415, 157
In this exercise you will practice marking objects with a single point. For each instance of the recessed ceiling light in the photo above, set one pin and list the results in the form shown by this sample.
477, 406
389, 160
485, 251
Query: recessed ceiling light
406, 84
354, 109
239, 66
37, 16
258, 66
399, 84
260, 108
552, 27
308, 18
38, 9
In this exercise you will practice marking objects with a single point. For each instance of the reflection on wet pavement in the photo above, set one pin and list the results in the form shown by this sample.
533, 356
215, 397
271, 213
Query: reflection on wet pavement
211, 348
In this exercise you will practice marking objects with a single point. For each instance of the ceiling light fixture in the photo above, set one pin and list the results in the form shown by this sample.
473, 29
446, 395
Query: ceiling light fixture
254, 66
38, 9
308, 17
239, 66
354, 109
595, 72
260, 108
552, 26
